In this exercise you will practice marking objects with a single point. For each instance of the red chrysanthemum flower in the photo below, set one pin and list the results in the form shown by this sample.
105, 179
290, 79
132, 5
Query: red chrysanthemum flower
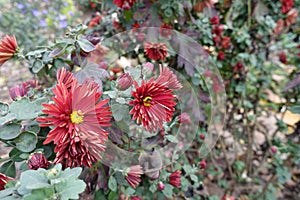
77, 117
153, 100
3, 180
165, 30
168, 79
133, 175
23, 89
286, 5
184, 118
135, 26
125, 4
225, 42
155, 51
174, 178
218, 30
215, 20
8, 47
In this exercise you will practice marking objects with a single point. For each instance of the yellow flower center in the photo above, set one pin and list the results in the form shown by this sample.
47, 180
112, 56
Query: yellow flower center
76, 117
147, 101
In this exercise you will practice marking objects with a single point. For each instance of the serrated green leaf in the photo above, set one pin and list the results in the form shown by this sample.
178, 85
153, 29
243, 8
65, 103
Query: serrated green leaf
70, 188
26, 141
39, 194
10, 131
32, 179
25, 110
112, 184
119, 111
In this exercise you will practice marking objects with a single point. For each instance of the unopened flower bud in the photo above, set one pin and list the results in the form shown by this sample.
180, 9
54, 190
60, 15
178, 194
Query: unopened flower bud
124, 82
38, 160
273, 149
184, 118
202, 164
202, 137
160, 186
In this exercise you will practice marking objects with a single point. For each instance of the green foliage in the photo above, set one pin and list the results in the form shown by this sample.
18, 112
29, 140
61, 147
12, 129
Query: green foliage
48, 184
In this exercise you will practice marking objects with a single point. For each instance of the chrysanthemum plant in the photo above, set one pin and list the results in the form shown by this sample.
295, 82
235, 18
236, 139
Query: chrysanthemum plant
121, 127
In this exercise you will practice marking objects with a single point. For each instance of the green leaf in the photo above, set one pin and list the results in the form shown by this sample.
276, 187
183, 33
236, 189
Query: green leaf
38, 194
26, 141
14, 155
8, 168
112, 184
85, 45
4, 108
99, 195
6, 192
32, 179
194, 178
70, 188
153, 188
113, 195
121, 100
10, 131
25, 110
168, 191
37, 66
119, 111
171, 138
283, 174
129, 191
57, 51
7, 118
120, 178
58, 63
295, 109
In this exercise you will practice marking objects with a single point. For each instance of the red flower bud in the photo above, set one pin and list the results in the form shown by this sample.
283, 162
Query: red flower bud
184, 118
216, 40
282, 58
221, 55
218, 30
124, 82
202, 137
228, 197
202, 164
238, 67
175, 178
225, 42
160, 186
273, 149
136, 198
38, 160
93, 5
215, 20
